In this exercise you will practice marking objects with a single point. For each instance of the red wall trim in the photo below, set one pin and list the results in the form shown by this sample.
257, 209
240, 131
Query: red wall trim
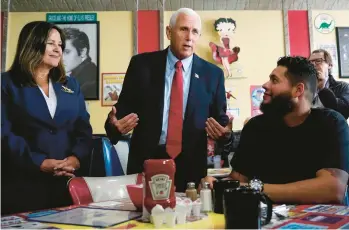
148, 30
298, 30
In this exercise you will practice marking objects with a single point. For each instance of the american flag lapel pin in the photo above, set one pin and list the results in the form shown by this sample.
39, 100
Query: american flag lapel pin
196, 75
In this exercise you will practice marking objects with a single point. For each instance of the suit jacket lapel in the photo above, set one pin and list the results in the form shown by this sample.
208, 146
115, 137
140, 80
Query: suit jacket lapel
158, 80
196, 84
36, 104
57, 86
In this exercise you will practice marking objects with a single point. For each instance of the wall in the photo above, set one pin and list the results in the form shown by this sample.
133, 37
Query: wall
116, 49
259, 34
131, 5
262, 36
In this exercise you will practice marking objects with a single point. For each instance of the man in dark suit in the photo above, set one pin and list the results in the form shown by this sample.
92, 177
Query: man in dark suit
168, 97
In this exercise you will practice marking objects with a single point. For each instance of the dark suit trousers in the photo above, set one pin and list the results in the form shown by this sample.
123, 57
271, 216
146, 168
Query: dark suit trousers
180, 176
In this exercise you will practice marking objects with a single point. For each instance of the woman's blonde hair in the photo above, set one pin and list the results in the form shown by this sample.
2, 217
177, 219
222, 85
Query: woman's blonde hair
30, 51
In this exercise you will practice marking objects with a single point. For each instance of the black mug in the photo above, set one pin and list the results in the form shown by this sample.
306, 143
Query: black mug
242, 208
218, 187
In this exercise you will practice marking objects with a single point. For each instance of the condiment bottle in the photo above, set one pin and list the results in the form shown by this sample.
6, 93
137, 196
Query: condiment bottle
206, 197
158, 184
191, 191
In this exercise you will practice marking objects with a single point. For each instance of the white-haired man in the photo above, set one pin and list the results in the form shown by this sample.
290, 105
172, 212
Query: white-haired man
167, 97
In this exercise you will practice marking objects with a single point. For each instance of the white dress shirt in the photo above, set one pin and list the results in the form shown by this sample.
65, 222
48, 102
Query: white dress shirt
51, 99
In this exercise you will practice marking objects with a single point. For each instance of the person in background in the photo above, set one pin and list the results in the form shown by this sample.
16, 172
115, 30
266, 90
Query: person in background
45, 130
330, 93
292, 152
167, 97
78, 63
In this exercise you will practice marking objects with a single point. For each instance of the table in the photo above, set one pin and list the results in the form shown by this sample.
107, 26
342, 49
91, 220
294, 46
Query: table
301, 216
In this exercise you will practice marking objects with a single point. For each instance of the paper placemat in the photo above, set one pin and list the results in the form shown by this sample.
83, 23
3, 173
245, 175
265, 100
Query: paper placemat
92, 217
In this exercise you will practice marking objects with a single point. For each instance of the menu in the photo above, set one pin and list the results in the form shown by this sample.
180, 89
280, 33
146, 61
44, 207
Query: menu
89, 217
125, 205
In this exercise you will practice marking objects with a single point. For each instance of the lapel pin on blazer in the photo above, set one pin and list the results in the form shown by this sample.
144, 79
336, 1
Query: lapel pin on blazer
196, 75
66, 89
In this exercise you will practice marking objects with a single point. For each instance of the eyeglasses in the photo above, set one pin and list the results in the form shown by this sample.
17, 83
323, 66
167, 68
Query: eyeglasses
317, 61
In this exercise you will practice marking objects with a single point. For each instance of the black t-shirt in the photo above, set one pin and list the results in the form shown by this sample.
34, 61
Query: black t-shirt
275, 153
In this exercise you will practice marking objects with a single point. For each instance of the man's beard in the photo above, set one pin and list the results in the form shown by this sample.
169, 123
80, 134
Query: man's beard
279, 105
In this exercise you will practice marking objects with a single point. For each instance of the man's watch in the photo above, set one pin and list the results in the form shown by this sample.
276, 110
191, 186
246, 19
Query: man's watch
256, 185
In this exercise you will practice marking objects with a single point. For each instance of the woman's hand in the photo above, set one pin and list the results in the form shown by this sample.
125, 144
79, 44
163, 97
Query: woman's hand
67, 167
49, 165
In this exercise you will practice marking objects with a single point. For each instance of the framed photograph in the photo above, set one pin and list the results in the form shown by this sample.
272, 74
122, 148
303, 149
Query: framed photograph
111, 87
81, 55
342, 34
256, 94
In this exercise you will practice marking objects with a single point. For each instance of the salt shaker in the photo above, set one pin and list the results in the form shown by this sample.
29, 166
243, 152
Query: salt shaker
206, 197
191, 191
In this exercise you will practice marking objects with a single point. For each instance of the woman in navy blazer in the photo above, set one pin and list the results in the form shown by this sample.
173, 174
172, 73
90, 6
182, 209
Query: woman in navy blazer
45, 128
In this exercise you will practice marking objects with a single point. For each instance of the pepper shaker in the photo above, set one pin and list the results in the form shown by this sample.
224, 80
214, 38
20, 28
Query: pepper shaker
191, 191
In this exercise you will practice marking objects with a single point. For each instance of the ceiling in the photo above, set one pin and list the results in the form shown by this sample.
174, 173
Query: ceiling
131, 5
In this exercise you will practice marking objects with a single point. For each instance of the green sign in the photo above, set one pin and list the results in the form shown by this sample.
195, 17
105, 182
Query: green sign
71, 17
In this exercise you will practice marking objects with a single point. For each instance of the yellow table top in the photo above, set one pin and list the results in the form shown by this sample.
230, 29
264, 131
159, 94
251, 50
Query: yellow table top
213, 221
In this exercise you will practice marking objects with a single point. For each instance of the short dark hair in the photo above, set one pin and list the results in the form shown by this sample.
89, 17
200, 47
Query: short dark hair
226, 20
79, 39
327, 56
30, 50
300, 70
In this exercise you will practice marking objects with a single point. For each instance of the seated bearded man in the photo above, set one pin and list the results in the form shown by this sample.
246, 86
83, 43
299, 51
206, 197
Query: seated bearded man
294, 153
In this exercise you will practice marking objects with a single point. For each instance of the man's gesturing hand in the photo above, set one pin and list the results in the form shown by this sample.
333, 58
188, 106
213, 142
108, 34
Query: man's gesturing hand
125, 124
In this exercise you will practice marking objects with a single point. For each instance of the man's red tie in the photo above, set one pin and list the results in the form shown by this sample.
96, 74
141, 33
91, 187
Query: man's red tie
175, 116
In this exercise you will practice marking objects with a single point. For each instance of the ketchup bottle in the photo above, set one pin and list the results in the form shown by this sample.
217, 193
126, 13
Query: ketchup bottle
159, 184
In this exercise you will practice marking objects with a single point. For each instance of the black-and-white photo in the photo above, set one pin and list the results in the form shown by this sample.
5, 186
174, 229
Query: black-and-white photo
342, 34
80, 56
